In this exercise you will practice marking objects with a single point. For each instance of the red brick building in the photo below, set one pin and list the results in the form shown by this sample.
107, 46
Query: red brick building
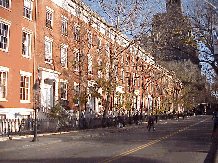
63, 45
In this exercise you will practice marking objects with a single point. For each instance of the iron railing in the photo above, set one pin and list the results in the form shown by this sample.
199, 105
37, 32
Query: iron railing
26, 126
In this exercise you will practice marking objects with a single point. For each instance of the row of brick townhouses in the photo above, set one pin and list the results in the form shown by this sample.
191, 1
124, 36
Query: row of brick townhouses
63, 45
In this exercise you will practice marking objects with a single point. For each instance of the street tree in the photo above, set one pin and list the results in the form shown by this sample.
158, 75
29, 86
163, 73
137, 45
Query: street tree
125, 17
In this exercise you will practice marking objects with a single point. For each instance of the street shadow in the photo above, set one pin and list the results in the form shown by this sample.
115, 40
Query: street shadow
126, 159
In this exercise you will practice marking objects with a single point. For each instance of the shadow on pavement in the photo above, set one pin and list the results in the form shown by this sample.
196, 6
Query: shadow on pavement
211, 156
126, 159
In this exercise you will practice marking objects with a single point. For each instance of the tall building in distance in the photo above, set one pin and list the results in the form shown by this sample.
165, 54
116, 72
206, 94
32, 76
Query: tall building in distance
171, 35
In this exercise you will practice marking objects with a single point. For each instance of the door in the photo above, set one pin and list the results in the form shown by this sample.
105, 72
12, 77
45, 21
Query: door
47, 94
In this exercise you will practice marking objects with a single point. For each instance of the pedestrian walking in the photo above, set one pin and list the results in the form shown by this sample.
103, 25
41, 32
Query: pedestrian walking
150, 122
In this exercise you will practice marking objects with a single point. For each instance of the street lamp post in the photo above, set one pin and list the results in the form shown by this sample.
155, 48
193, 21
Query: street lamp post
36, 92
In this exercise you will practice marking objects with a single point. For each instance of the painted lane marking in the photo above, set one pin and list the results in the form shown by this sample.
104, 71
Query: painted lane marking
148, 144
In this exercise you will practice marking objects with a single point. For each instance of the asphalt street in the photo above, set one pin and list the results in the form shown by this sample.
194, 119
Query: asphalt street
182, 141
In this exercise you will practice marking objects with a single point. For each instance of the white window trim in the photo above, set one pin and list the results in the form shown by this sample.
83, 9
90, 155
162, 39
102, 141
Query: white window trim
6, 22
28, 74
76, 51
6, 7
75, 85
66, 82
63, 46
90, 68
5, 69
31, 18
26, 30
64, 18
50, 40
48, 9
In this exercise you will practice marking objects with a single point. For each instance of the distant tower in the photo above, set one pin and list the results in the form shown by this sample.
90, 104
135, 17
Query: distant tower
174, 6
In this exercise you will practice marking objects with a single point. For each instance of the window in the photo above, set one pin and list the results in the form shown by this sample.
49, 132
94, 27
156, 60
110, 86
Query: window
89, 64
3, 83
127, 59
99, 74
64, 55
138, 82
27, 9
26, 44
99, 44
133, 79
122, 75
64, 26
78, 12
133, 61
63, 90
76, 93
4, 34
76, 61
48, 49
76, 33
107, 50
89, 37
25, 86
49, 17
5, 3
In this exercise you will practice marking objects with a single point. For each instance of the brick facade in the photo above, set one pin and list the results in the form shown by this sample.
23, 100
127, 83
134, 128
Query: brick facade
61, 43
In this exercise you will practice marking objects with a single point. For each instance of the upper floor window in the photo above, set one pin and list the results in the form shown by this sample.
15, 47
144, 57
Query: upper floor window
4, 34
122, 75
49, 17
107, 50
76, 61
64, 56
99, 43
89, 37
27, 9
76, 33
76, 93
5, 3
78, 12
89, 63
25, 86
3, 83
64, 26
26, 44
48, 49
63, 90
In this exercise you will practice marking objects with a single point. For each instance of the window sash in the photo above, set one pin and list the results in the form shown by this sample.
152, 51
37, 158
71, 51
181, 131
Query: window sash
76, 34
89, 63
3, 84
24, 88
49, 19
89, 39
48, 51
63, 91
4, 3
3, 36
26, 44
64, 57
76, 60
64, 27
27, 9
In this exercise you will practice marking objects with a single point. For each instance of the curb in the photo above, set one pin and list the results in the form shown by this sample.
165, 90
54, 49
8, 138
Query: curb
67, 132
78, 137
